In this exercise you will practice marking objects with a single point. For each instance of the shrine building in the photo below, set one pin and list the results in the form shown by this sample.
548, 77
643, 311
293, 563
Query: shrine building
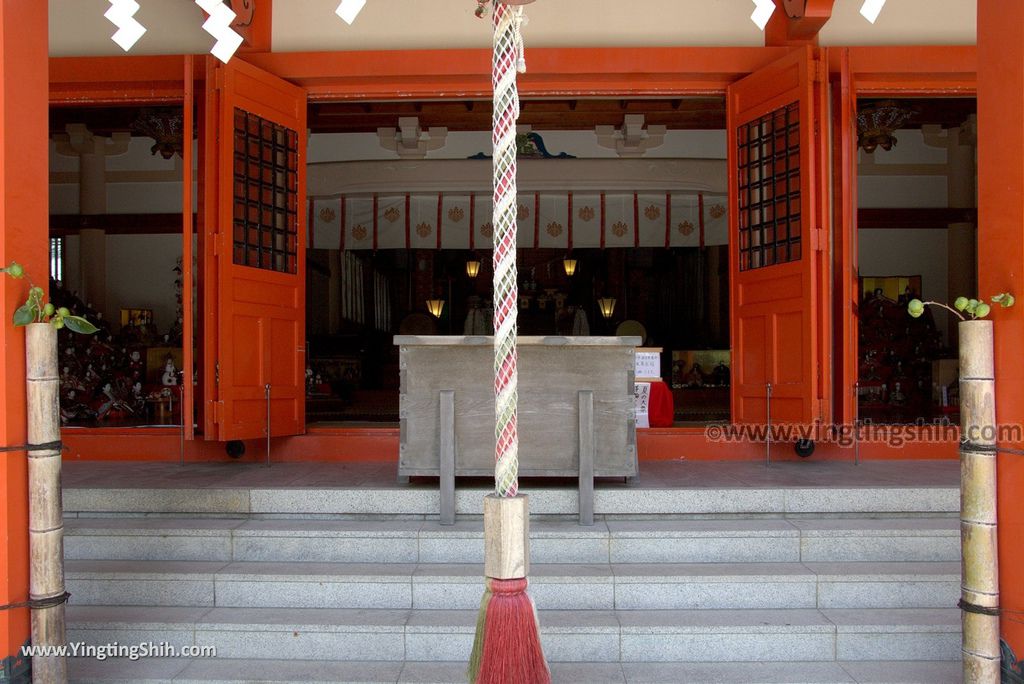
259, 236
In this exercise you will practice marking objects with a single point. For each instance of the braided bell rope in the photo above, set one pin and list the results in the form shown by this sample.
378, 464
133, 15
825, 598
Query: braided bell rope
506, 62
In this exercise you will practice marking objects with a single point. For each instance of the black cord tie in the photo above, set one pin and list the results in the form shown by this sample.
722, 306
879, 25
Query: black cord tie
38, 604
978, 610
45, 446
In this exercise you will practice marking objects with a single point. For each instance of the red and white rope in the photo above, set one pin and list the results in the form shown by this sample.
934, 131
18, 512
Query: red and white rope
508, 59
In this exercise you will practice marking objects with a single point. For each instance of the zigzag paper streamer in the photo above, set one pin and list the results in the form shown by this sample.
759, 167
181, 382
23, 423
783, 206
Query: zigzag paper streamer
763, 10
122, 15
218, 25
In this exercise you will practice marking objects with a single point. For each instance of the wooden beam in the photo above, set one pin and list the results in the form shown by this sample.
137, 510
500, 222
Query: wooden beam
117, 224
903, 219
797, 22
553, 72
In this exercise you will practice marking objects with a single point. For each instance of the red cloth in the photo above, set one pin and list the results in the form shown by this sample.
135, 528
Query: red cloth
661, 410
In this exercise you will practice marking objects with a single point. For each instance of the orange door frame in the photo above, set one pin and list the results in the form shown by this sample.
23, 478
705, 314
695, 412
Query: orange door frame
565, 72
864, 72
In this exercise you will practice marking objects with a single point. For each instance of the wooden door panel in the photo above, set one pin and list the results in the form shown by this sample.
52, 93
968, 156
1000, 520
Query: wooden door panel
256, 224
775, 156
788, 327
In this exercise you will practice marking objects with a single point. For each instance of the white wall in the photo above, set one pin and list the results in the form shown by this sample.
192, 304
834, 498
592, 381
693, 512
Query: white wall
923, 252
911, 174
138, 181
140, 274
330, 147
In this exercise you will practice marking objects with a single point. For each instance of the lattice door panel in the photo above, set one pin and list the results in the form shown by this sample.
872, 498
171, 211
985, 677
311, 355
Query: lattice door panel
266, 203
768, 173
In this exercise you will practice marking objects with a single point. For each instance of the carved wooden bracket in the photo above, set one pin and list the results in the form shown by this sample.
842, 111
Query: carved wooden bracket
800, 23
244, 11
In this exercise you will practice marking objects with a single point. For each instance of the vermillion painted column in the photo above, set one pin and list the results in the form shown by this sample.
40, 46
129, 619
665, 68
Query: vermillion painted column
23, 237
1001, 269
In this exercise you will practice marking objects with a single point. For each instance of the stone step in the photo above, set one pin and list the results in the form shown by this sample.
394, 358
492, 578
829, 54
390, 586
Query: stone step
423, 500
553, 586
591, 636
417, 541
226, 670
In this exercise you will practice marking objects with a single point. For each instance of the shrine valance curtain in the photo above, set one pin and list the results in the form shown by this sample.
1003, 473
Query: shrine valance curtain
549, 219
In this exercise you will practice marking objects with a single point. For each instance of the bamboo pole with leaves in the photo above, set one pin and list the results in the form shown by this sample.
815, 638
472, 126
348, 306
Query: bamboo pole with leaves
46, 515
979, 586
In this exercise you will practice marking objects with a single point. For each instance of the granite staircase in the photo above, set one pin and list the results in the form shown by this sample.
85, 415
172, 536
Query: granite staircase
697, 585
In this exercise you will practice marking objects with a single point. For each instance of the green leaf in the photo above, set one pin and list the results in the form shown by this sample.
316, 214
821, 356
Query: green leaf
25, 314
79, 325
982, 310
1004, 299
960, 304
915, 308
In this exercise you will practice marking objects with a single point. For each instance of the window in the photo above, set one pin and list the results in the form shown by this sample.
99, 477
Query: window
57, 258
265, 194
768, 166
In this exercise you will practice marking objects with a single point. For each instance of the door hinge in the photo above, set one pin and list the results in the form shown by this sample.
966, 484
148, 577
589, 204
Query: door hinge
818, 240
216, 373
218, 412
216, 244
820, 71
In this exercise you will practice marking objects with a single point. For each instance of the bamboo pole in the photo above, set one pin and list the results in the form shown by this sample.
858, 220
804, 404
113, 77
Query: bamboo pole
980, 567
46, 519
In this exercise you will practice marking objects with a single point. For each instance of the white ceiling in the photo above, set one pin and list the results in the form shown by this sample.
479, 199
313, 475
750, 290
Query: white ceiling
77, 27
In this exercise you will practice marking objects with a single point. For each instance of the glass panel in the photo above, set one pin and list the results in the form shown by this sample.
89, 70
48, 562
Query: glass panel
768, 164
266, 206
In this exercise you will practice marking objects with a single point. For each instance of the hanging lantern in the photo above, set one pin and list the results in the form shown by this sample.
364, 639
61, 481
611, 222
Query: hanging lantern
435, 307
165, 126
877, 123
472, 268
607, 306
569, 265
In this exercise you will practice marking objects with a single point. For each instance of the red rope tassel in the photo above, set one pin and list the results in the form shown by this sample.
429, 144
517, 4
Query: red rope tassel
511, 639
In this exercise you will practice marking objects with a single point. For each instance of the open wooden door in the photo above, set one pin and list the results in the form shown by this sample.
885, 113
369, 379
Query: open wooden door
778, 243
254, 246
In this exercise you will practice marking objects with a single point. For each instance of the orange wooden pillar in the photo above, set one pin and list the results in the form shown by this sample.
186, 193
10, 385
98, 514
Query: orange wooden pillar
1001, 268
24, 164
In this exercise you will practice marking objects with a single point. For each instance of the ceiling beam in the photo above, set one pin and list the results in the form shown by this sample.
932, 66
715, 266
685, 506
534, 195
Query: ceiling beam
912, 218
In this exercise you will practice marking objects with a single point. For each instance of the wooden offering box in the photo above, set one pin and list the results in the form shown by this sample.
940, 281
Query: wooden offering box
576, 409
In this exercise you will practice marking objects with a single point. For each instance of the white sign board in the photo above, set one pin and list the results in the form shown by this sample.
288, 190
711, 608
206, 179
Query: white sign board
648, 363
642, 393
